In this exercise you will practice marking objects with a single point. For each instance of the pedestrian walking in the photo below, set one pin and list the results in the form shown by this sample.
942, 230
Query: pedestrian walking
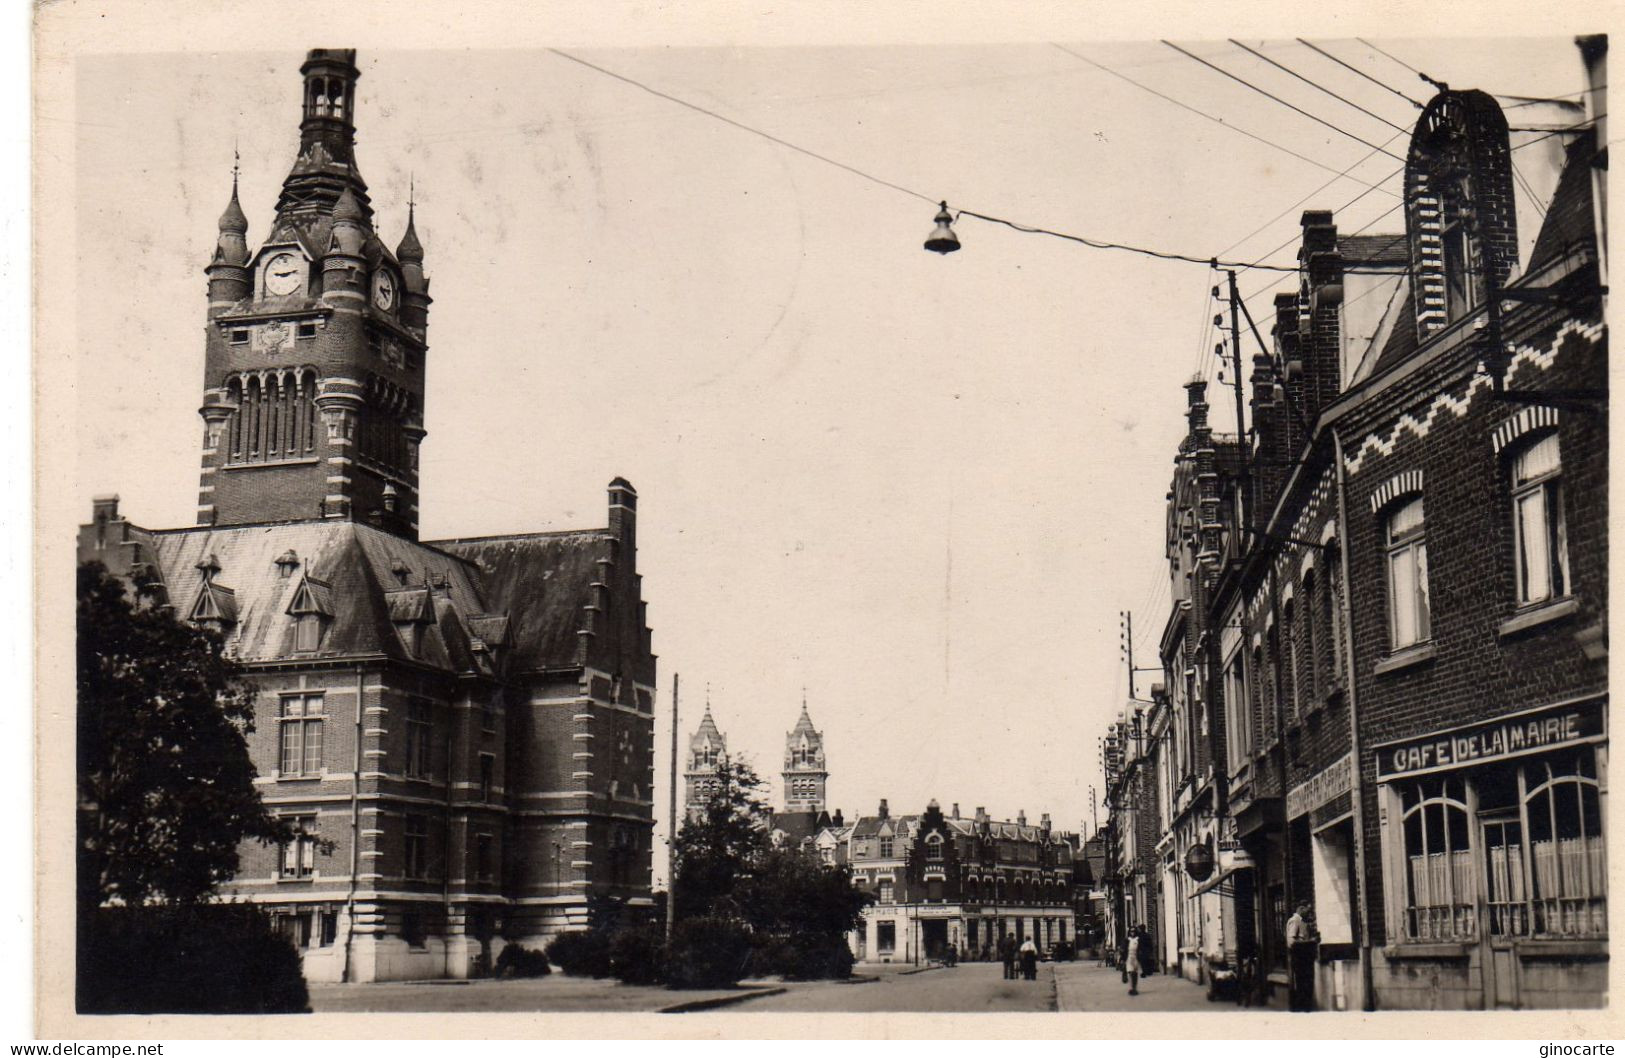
1302, 944
1007, 953
1131, 961
1029, 960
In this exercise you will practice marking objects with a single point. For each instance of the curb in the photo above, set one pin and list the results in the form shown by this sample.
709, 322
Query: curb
916, 970
719, 1001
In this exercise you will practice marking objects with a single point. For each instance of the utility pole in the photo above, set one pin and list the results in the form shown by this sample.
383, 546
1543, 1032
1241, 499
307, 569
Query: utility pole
671, 825
1241, 417
1126, 629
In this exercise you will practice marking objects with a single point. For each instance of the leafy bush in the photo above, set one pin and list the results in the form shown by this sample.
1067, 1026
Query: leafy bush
211, 959
584, 953
800, 957
708, 952
522, 962
637, 954
819, 958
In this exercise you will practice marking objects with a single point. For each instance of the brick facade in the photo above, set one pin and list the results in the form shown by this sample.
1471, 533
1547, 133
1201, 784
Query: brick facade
474, 753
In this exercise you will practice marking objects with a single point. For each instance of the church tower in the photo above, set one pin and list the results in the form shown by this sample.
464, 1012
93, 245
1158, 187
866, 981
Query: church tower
316, 341
707, 753
805, 774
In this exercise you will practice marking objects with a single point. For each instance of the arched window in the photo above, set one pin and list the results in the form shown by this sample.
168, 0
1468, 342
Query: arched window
1289, 659
1405, 535
1440, 883
1310, 635
1569, 865
1540, 532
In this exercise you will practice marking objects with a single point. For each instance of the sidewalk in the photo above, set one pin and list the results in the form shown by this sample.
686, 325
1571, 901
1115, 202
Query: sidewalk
1087, 986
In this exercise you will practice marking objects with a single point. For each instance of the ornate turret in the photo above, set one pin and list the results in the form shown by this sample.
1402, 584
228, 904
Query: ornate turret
326, 163
228, 271
707, 754
805, 775
415, 302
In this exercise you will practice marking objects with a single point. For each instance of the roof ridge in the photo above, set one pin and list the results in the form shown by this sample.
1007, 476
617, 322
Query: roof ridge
538, 534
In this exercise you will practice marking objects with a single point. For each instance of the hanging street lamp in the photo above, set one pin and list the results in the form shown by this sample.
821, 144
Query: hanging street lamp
942, 238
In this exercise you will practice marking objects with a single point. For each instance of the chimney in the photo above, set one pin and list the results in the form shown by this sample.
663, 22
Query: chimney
837, 820
885, 813
623, 515
956, 811
1043, 824
104, 508
1021, 817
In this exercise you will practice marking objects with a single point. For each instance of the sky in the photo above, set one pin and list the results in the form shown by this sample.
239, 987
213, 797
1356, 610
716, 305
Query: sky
918, 489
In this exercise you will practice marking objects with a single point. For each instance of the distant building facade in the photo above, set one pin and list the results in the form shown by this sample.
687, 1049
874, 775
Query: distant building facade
467, 722
941, 881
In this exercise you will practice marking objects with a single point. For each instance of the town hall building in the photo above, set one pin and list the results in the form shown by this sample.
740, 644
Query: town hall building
463, 729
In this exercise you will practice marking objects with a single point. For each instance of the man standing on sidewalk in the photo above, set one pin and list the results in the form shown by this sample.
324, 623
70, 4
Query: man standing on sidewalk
1302, 940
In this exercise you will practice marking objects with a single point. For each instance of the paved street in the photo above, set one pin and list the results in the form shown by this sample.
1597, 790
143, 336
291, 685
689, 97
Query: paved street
1080, 987
971, 988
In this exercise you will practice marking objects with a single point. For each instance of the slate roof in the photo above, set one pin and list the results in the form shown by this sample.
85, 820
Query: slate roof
352, 558
541, 581
1375, 250
1569, 220
798, 827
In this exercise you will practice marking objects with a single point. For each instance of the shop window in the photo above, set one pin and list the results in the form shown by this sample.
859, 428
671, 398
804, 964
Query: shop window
1539, 533
1408, 617
1568, 863
301, 722
1440, 889
886, 937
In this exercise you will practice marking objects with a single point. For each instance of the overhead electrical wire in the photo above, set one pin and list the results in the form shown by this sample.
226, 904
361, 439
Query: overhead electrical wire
1317, 85
1278, 99
1355, 69
1379, 51
741, 125
1317, 191
1200, 113
1099, 244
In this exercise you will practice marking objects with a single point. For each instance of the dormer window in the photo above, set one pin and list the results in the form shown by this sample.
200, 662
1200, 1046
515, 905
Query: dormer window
311, 608
410, 610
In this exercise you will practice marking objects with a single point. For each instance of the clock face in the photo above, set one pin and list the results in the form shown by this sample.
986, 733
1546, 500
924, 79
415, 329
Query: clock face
383, 290
284, 274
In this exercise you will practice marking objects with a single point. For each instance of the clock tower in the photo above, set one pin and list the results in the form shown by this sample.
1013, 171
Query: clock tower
805, 772
316, 341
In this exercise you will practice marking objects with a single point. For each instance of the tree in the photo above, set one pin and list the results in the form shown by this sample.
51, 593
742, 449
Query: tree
793, 909
716, 851
166, 787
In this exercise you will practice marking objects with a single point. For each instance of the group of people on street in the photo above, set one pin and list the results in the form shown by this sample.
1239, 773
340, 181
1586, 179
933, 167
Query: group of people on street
1025, 953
